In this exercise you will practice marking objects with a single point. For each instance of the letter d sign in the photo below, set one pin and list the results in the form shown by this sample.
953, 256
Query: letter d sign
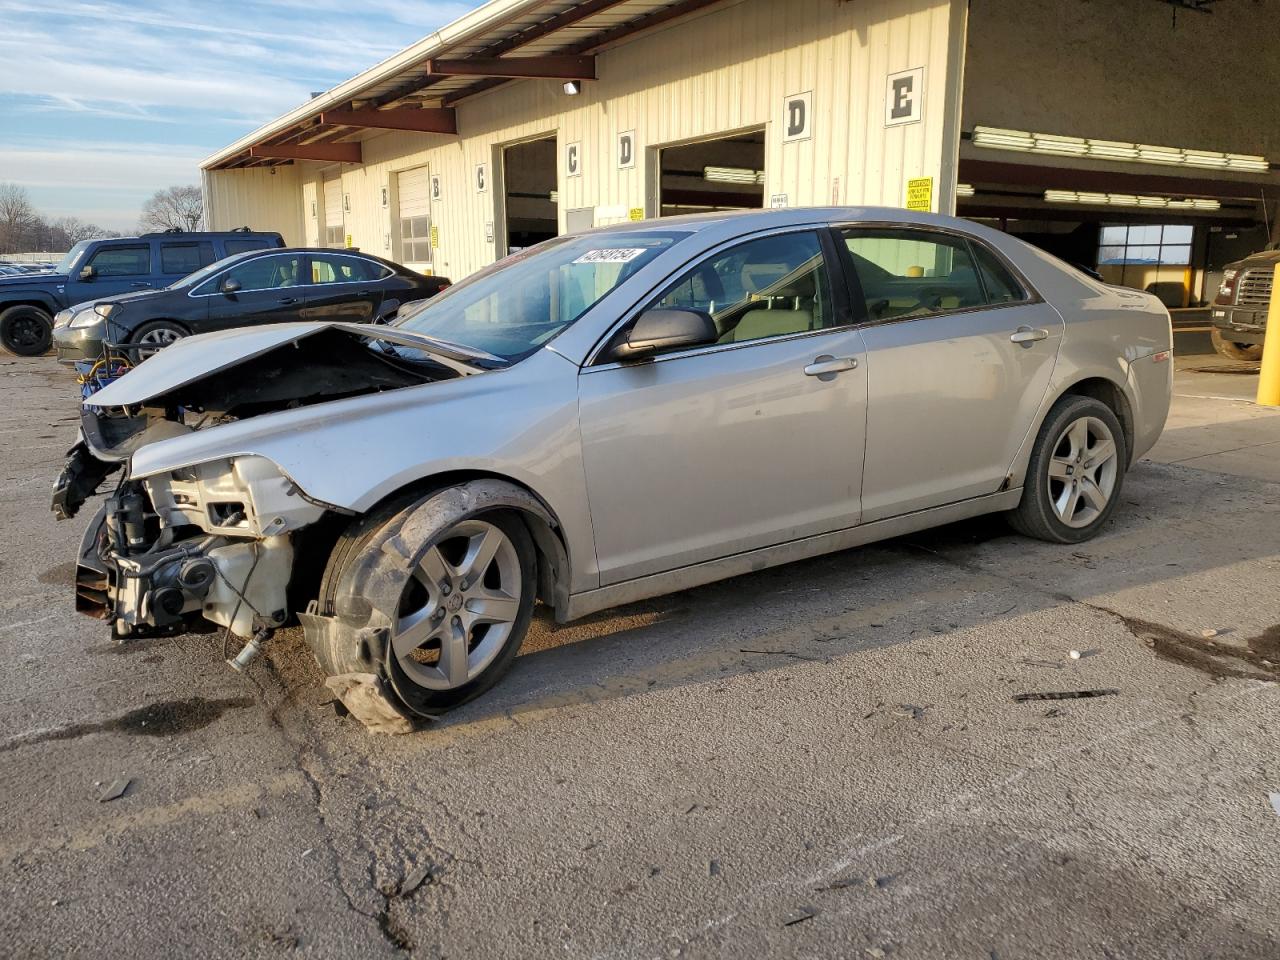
797, 117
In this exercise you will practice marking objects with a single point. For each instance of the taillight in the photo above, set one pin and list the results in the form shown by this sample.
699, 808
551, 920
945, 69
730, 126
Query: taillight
1227, 289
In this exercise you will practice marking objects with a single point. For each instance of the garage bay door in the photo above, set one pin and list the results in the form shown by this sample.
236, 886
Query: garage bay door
415, 216
334, 235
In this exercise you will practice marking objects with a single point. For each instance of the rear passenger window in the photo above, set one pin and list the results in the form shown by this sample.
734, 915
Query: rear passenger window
999, 282
184, 258
770, 287
128, 261
241, 245
913, 273
339, 269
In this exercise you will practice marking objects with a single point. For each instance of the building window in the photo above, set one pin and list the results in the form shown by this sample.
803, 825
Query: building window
334, 236
415, 239
1142, 255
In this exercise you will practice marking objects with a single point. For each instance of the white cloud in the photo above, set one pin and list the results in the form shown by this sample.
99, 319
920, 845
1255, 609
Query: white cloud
101, 166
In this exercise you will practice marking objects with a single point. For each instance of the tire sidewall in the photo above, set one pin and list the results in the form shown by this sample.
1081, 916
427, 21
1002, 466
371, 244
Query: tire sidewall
1249, 352
1035, 515
10, 317
144, 329
428, 702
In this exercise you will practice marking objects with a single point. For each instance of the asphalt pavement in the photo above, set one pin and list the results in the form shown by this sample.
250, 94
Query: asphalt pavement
830, 759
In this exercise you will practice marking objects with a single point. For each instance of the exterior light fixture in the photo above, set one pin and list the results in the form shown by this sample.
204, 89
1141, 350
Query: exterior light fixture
1129, 200
997, 138
732, 175
964, 190
572, 88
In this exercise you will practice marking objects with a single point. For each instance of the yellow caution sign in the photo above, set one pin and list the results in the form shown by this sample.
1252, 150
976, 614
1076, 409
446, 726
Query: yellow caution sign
637, 213
920, 193
1269, 378
349, 243
435, 236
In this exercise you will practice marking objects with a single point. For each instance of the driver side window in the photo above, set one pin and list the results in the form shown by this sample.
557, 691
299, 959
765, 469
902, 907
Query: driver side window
769, 287
906, 273
265, 273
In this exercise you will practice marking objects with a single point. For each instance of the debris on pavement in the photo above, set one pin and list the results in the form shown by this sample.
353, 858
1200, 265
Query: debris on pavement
1062, 695
422, 873
115, 790
917, 713
1208, 633
799, 916
1075, 654
1275, 803
713, 868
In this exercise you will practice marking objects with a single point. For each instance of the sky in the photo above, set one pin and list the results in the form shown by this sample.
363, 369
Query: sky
103, 102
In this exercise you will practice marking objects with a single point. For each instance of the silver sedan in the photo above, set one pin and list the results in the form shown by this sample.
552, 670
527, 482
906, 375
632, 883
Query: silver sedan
603, 418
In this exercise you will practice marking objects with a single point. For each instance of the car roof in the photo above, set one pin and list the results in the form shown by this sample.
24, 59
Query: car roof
747, 221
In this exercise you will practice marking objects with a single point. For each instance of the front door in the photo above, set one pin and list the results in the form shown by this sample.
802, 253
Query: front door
114, 269
959, 356
753, 441
343, 287
270, 290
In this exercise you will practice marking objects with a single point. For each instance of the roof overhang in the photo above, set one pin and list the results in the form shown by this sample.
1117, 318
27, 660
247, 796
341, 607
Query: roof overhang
501, 42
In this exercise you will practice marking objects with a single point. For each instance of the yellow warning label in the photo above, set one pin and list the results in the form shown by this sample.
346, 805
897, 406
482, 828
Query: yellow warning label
349, 243
435, 236
637, 213
920, 193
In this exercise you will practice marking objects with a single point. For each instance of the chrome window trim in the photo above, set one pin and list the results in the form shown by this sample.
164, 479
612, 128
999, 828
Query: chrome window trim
634, 310
1032, 295
217, 277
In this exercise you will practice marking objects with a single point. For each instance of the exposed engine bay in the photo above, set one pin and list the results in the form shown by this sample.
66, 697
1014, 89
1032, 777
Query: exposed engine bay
217, 540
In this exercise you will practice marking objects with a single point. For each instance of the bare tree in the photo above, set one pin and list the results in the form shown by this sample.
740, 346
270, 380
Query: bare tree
181, 207
69, 231
17, 217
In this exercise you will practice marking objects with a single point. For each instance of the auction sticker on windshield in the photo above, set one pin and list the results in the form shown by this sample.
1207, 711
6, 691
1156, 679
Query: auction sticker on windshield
615, 255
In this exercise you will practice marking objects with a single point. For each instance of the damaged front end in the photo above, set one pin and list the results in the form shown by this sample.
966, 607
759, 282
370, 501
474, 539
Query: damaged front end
214, 540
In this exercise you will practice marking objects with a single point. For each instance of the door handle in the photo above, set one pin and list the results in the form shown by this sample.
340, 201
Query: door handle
1027, 335
827, 365
288, 300
140, 283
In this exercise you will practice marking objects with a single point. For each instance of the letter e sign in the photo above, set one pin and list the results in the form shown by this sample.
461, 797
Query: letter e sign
797, 117
904, 97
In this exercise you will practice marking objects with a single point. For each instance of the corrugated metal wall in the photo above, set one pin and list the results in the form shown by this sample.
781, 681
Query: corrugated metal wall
256, 198
729, 69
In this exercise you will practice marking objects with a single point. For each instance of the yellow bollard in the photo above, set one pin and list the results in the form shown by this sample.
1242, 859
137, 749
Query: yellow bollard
1269, 379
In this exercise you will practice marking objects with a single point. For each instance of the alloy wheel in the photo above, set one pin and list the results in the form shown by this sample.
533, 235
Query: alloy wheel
459, 607
155, 340
1082, 471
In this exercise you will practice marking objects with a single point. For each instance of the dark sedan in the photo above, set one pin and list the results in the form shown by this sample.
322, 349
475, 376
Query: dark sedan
260, 286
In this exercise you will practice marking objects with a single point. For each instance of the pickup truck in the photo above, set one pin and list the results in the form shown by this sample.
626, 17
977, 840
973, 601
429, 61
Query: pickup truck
94, 269
1239, 312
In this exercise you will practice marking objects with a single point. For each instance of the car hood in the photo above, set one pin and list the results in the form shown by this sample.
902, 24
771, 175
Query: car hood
32, 279
195, 358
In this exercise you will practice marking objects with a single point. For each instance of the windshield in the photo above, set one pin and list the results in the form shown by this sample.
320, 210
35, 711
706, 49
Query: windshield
513, 307
68, 261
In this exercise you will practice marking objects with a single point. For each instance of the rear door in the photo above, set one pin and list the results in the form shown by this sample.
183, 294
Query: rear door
271, 291
960, 352
345, 287
181, 257
117, 268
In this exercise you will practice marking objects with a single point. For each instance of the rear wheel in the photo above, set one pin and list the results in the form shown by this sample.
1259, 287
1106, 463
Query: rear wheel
1076, 471
26, 330
456, 592
1234, 350
155, 336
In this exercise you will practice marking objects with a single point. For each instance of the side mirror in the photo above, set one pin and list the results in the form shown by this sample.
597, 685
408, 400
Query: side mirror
88, 273
662, 330
230, 285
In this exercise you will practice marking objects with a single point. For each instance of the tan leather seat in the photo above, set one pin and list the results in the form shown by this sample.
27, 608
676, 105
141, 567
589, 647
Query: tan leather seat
758, 324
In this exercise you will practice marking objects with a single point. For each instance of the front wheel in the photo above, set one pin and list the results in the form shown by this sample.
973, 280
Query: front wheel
153, 337
1232, 349
1076, 471
455, 588
26, 330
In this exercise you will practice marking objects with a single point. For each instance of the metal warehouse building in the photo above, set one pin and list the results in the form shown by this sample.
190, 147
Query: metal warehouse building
1135, 136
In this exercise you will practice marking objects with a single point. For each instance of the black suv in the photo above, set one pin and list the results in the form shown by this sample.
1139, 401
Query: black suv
266, 286
94, 269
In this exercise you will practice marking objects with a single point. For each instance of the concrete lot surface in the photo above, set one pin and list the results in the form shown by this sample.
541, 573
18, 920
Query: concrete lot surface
823, 760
